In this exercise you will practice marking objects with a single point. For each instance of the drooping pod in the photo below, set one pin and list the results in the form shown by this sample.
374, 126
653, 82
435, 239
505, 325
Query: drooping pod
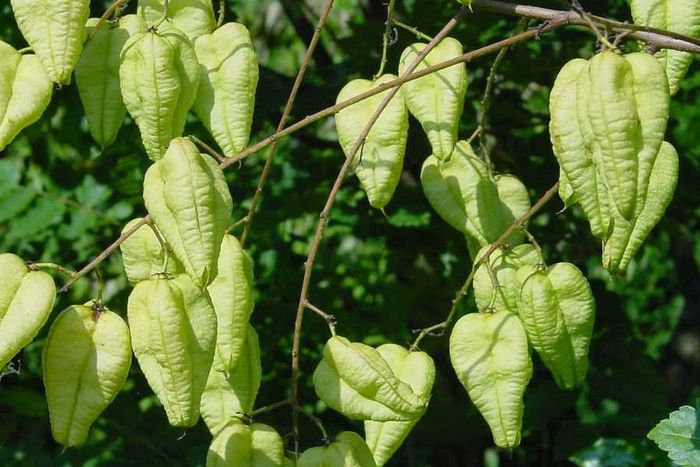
144, 256
97, 76
437, 100
489, 353
679, 16
241, 445
187, 196
86, 361
193, 17
417, 370
173, 334
229, 77
355, 380
558, 311
347, 450
159, 76
232, 391
464, 194
55, 30
380, 162
26, 300
25, 92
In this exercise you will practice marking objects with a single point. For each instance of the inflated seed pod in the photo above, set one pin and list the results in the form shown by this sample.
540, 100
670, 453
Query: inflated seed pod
437, 100
159, 76
85, 364
173, 334
25, 92
380, 162
505, 262
187, 196
489, 352
558, 311
229, 77
355, 380
55, 30
143, 254
416, 369
679, 16
193, 17
232, 391
348, 450
241, 445
97, 76
464, 194
26, 300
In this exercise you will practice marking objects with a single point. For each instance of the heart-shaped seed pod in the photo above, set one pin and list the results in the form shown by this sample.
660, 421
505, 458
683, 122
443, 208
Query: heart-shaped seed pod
26, 300
86, 361
173, 334
348, 450
193, 17
489, 352
144, 256
238, 444
229, 77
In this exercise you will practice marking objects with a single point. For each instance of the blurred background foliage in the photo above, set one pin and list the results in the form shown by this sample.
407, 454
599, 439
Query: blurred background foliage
63, 200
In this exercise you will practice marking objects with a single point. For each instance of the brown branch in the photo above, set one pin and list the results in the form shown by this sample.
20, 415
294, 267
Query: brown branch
285, 116
113, 8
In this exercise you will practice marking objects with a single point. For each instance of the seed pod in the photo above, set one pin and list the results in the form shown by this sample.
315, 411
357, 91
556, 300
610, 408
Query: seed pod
229, 77
679, 16
355, 380
159, 75
97, 77
193, 17
463, 193
26, 300
25, 92
142, 254
173, 333
232, 391
558, 311
490, 355
237, 444
86, 361
505, 262
380, 162
418, 371
55, 30
187, 196
348, 450
437, 100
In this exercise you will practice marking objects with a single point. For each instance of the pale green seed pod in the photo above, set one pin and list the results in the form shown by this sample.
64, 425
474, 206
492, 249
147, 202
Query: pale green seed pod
437, 100
187, 196
231, 293
464, 194
348, 450
489, 352
505, 262
86, 361
193, 17
55, 30
232, 391
355, 380
229, 77
173, 334
241, 445
416, 369
558, 311
26, 300
25, 92
97, 76
379, 163
159, 76
143, 255
679, 16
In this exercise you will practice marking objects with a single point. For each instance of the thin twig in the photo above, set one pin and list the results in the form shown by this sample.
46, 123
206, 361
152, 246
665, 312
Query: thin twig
208, 149
386, 37
222, 13
578, 8
330, 319
413, 30
53, 266
270, 408
237, 223
112, 9
283, 120
314, 419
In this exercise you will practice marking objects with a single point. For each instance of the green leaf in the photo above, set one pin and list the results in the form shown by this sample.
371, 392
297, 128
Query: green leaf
679, 435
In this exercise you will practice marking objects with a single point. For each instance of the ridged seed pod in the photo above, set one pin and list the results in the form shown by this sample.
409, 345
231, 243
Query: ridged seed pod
241, 445
143, 254
193, 17
347, 450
